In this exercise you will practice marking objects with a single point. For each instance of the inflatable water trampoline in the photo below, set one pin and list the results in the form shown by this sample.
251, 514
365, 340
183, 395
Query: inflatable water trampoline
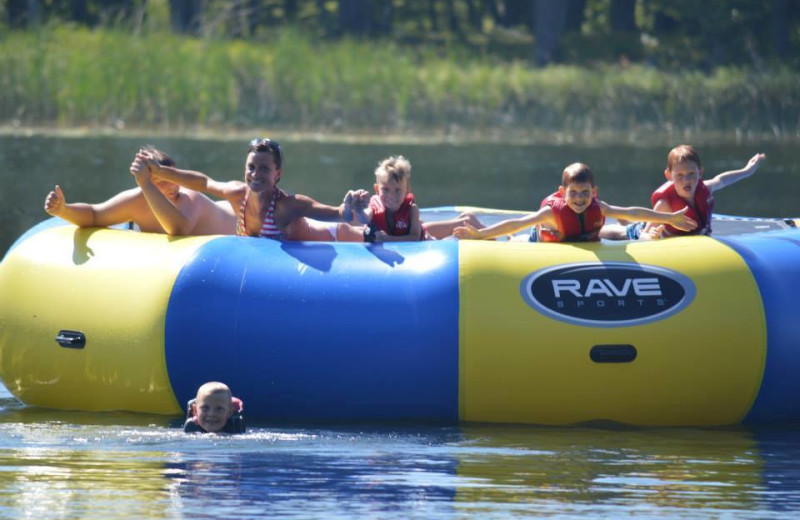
685, 331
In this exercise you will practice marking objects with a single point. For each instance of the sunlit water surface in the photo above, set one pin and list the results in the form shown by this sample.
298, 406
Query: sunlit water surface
59, 464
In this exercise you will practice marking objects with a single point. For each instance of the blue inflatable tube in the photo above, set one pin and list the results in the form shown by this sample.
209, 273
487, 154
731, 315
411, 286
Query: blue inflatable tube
302, 334
772, 258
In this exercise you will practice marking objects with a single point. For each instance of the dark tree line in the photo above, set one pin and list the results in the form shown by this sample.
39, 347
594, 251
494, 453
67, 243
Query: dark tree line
726, 31
24, 13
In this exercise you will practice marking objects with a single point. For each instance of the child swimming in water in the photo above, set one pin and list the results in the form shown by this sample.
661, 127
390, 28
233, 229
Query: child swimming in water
215, 410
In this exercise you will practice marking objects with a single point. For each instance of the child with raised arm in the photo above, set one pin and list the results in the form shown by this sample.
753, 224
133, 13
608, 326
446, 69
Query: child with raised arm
392, 214
263, 209
686, 189
214, 410
156, 206
573, 214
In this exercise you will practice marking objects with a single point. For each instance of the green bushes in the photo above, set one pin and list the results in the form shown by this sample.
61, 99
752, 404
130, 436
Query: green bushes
76, 77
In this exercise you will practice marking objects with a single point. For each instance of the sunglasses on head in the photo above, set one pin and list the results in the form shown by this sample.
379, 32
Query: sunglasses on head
263, 144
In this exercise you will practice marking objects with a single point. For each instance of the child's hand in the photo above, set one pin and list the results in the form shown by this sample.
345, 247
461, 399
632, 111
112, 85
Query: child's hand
680, 221
361, 199
467, 231
654, 233
752, 164
347, 210
356, 203
54, 203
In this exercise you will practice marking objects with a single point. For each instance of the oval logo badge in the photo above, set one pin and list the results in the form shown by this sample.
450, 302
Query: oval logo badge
607, 294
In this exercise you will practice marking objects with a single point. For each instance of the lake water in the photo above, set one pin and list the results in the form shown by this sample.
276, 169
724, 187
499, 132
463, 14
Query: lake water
58, 464
62, 464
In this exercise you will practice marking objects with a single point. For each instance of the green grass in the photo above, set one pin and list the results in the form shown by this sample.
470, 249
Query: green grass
68, 77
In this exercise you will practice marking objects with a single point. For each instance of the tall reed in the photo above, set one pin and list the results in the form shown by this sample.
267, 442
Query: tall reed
69, 76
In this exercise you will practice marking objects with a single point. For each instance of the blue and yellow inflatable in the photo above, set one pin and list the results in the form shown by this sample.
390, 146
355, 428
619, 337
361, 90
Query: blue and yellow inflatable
685, 331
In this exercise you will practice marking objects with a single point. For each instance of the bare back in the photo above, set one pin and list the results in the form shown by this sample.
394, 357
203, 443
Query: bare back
213, 218
208, 217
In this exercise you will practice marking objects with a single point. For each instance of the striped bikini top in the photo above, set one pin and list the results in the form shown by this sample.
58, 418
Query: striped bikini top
268, 228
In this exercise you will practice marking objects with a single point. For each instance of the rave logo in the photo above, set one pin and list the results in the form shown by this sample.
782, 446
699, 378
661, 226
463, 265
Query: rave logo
607, 294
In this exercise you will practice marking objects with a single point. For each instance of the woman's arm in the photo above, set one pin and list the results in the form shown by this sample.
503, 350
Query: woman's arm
297, 206
194, 180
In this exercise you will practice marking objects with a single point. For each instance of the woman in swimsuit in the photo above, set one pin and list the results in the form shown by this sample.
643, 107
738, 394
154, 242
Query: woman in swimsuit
263, 209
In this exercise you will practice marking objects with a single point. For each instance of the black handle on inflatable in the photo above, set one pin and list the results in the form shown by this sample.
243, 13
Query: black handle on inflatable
613, 353
71, 339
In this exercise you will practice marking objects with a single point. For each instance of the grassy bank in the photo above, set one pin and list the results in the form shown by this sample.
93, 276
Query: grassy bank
70, 77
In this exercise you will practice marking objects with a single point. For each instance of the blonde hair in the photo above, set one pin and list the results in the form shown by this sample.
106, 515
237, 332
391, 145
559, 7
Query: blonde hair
214, 387
395, 167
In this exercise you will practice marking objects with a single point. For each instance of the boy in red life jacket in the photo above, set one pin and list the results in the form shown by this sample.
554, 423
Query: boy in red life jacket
214, 410
392, 214
685, 188
573, 214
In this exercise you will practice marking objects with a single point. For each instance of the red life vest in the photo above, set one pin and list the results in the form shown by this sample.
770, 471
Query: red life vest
572, 227
701, 213
402, 217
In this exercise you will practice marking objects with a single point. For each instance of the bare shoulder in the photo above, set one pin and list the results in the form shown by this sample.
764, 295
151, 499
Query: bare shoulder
236, 187
229, 189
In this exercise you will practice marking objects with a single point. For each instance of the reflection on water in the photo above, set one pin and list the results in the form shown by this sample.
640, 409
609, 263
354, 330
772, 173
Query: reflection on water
347, 474
646, 469
121, 465
58, 483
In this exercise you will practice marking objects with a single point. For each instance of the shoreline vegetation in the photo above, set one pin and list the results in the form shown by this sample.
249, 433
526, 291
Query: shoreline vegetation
71, 80
418, 137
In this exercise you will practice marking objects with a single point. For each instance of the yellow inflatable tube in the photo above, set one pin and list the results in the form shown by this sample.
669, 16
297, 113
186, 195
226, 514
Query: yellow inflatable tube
698, 366
123, 316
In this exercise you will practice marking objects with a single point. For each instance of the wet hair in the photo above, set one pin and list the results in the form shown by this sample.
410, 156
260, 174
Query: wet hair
395, 167
163, 158
577, 173
682, 153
